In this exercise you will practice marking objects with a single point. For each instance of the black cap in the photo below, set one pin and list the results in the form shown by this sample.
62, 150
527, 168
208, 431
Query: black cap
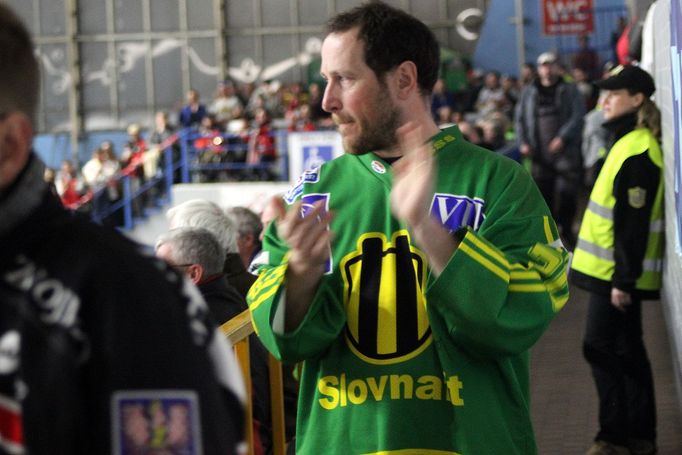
633, 78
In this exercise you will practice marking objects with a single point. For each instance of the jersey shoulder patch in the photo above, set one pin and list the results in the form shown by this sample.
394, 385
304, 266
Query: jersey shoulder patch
308, 176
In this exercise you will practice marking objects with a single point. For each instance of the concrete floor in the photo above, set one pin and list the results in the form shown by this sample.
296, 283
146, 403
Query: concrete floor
563, 394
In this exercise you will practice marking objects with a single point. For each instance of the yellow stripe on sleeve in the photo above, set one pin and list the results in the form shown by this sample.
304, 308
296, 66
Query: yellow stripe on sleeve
548, 229
495, 254
476, 256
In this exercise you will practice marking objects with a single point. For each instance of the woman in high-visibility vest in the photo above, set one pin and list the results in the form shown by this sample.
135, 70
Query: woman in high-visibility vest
618, 259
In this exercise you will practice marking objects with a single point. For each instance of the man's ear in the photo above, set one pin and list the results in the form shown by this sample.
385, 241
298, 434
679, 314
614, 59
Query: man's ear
16, 137
196, 273
250, 239
406, 75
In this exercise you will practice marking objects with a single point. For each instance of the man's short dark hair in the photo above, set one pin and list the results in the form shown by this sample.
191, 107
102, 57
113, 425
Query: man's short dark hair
19, 72
391, 37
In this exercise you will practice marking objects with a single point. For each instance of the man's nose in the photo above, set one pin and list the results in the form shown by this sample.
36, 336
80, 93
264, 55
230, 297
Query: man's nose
330, 101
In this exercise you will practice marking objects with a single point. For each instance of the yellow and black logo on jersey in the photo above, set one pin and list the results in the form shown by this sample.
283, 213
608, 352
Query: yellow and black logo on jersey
384, 301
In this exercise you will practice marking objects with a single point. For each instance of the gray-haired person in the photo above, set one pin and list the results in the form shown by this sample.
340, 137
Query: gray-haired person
197, 253
249, 228
208, 215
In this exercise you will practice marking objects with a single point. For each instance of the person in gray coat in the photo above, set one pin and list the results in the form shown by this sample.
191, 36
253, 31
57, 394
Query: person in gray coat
548, 122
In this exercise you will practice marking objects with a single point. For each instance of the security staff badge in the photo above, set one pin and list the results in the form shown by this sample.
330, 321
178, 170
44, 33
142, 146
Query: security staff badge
636, 197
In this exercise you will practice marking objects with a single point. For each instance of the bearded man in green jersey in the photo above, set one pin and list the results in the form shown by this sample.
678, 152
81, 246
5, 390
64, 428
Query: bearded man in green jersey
411, 275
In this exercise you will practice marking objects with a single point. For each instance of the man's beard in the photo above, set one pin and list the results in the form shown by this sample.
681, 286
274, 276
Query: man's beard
378, 133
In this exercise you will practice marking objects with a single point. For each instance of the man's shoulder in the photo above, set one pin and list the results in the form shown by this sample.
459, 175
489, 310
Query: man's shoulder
481, 163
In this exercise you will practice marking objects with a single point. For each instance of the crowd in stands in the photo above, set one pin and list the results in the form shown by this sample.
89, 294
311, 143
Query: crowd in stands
234, 140
235, 129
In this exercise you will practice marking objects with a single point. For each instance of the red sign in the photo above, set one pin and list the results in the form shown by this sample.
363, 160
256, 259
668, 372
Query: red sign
567, 17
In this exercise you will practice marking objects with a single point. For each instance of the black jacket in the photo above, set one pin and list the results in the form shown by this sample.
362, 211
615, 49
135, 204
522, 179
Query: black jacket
222, 298
97, 339
237, 275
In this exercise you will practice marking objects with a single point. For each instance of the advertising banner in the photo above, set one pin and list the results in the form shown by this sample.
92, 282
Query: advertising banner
567, 17
307, 150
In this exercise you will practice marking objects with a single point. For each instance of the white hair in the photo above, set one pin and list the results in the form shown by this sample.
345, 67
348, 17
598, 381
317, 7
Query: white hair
208, 215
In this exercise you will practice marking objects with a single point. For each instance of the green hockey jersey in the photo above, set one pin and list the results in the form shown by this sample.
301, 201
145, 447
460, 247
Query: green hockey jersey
396, 360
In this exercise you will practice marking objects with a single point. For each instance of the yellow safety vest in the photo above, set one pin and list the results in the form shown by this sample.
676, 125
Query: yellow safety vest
593, 255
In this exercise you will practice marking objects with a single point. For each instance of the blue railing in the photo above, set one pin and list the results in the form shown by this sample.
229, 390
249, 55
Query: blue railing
180, 162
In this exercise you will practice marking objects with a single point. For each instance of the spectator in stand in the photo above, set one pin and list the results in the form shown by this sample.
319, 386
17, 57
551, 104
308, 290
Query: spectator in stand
193, 112
265, 96
319, 115
548, 124
239, 125
471, 132
249, 229
69, 186
441, 97
109, 152
305, 119
197, 253
225, 104
587, 58
300, 119
274, 99
469, 95
595, 141
210, 149
208, 131
244, 92
262, 152
294, 97
207, 215
95, 335
132, 157
528, 75
49, 177
132, 162
163, 132
444, 116
586, 88
99, 174
492, 96
510, 87
494, 127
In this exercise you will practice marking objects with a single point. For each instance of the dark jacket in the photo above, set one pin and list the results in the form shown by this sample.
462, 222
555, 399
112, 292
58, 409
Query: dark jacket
226, 303
222, 298
100, 333
571, 109
237, 275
